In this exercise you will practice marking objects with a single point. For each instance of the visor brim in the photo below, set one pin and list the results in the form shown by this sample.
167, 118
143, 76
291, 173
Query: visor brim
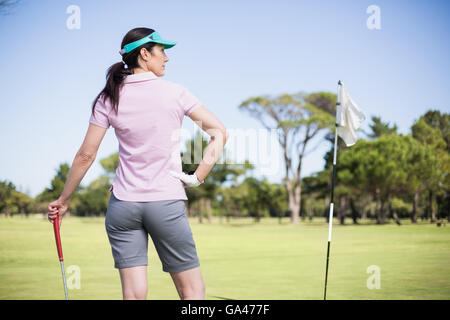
167, 44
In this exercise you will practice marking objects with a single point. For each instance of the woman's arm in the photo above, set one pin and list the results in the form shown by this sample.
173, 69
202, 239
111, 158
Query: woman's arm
206, 120
80, 165
83, 160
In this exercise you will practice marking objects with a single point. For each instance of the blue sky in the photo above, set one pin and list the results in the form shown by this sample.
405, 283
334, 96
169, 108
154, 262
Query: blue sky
226, 52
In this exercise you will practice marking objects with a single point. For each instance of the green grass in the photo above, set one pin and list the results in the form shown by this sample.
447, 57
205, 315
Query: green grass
240, 260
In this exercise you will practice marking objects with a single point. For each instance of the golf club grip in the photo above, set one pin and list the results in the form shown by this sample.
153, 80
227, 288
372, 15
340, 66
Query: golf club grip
58, 238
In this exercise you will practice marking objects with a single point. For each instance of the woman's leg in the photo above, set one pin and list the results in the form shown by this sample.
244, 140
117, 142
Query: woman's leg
134, 283
129, 245
169, 228
189, 284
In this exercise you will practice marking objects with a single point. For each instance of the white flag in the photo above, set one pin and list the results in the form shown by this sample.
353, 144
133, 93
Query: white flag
348, 117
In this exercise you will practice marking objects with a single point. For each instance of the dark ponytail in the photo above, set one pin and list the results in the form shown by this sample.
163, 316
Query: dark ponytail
116, 73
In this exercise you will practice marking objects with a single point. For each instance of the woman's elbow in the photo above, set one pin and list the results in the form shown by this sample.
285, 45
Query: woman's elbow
219, 134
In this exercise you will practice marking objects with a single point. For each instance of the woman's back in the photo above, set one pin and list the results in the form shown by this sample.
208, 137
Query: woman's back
147, 126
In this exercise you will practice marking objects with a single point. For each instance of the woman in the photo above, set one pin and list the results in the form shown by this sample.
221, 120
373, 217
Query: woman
147, 195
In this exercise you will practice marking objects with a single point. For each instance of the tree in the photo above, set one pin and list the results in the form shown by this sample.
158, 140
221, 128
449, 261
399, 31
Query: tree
13, 201
110, 164
380, 128
390, 166
94, 199
7, 189
6, 6
433, 130
56, 185
317, 187
438, 121
351, 192
23, 202
275, 199
288, 114
204, 194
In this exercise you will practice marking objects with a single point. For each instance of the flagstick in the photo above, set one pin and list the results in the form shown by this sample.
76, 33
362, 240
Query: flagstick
330, 219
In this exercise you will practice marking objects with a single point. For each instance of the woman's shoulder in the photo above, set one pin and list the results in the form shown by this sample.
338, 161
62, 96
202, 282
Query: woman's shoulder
172, 85
103, 101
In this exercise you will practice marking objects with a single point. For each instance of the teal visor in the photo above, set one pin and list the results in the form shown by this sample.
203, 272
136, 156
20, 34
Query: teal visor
153, 37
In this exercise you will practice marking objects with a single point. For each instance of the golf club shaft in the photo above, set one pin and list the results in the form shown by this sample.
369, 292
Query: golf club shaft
64, 278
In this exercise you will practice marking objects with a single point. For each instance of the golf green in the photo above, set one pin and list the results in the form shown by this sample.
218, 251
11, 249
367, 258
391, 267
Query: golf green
239, 260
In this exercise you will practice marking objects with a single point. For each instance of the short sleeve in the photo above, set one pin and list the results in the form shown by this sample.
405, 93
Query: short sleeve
187, 101
100, 115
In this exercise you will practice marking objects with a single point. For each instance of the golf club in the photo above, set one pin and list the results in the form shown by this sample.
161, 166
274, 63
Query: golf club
60, 253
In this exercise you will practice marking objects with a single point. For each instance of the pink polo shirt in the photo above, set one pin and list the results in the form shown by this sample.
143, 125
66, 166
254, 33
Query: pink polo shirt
147, 126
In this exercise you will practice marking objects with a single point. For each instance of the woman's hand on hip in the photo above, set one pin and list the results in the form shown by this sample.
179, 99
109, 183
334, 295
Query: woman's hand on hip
189, 180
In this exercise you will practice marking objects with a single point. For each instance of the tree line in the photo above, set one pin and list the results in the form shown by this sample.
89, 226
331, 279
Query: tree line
384, 176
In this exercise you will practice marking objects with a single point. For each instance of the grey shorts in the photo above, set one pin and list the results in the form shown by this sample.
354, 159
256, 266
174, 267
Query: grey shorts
129, 223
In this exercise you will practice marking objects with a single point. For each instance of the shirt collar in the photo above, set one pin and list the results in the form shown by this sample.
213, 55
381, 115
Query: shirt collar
140, 77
